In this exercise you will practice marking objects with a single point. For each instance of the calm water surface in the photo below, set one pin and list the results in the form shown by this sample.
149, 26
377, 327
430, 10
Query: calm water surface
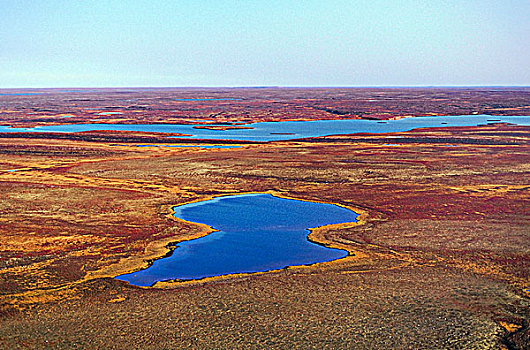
186, 146
207, 99
256, 232
270, 131
21, 93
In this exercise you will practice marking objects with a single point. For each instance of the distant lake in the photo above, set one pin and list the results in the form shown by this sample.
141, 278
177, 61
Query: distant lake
207, 99
256, 232
21, 93
109, 113
271, 131
182, 146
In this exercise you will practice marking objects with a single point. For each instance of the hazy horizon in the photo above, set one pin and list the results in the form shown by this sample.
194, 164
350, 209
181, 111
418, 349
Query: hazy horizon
274, 87
230, 44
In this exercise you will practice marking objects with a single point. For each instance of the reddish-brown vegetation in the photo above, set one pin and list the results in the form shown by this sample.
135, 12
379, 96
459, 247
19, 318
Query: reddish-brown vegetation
59, 106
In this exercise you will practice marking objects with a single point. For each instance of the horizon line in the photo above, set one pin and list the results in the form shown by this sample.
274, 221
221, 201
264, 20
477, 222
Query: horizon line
265, 87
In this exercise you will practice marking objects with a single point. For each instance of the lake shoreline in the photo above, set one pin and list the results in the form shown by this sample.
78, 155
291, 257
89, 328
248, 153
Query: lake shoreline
165, 248
277, 131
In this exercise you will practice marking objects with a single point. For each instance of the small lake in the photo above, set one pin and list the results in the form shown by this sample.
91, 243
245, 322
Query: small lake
275, 131
184, 146
207, 99
256, 233
21, 93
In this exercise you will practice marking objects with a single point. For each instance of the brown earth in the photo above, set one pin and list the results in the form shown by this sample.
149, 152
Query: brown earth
245, 105
442, 260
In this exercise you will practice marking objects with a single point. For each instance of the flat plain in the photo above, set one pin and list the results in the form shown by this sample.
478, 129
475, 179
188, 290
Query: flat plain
440, 259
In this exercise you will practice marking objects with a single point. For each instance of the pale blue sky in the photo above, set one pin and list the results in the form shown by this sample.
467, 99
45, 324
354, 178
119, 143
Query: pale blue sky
67, 43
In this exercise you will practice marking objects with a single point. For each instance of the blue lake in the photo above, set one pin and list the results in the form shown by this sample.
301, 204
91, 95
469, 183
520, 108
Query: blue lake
256, 232
271, 131
21, 93
185, 146
207, 99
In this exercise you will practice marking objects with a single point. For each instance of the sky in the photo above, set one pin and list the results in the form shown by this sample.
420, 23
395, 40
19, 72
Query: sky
91, 43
